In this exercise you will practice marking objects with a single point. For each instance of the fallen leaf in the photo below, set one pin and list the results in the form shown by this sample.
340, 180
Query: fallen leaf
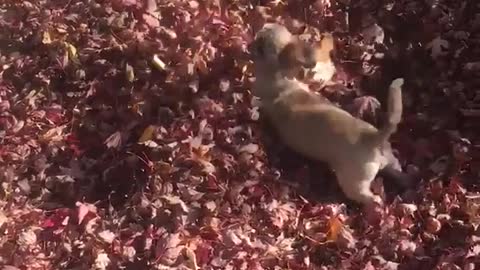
366, 106
129, 253
158, 63
152, 16
438, 47
114, 140
192, 258
46, 39
83, 209
335, 225
147, 134
128, 3
130, 75
53, 135
106, 236
102, 261
433, 225
72, 51
26, 239
373, 34
3, 218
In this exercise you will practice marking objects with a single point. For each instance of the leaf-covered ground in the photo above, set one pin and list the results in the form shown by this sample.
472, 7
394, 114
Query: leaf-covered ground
129, 138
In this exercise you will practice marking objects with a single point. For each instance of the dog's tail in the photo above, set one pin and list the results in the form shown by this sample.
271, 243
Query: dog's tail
394, 112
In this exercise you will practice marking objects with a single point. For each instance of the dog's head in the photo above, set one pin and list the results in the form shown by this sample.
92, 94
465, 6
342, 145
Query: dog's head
278, 49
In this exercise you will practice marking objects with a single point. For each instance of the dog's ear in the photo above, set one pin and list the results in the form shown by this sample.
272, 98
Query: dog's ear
297, 53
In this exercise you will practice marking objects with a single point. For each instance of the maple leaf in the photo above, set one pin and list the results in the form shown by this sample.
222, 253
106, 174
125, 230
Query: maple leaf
147, 134
3, 218
158, 63
83, 209
335, 225
170, 248
373, 34
437, 47
129, 2
26, 239
107, 236
102, 261
366, 106
152, 15
130, 74
114, 140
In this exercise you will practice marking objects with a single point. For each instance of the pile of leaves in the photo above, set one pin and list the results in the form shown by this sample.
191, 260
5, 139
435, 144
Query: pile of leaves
130, 139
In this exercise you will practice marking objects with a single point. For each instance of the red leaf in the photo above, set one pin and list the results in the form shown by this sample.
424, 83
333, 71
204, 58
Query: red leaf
84, 209
204, 253
56, 220
54, 115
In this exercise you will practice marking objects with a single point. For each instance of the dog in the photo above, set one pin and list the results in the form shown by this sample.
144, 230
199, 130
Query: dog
312, 126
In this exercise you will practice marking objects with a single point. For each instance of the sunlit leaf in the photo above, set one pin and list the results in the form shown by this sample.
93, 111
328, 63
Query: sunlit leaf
129, 73
158, 63
147, 134
335, 225
192, 258
46, 38
54, 134
72, 51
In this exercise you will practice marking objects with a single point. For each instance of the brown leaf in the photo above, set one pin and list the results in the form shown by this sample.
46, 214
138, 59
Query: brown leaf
53, 135
147, 134
335, 226
170, 248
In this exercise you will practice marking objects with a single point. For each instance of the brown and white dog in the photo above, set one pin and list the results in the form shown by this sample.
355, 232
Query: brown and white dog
314, 127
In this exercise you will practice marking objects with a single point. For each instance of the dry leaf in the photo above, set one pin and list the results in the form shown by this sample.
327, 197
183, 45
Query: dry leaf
373, 34
147, 134
53, 135
335, 225
72, 51
152, 16
130, 75
107, 236
46, 39
158, 63
437, 47
83, 209
114, 140
3, 218
192, 258
26, 239
129, 2
129, 253
102, 261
